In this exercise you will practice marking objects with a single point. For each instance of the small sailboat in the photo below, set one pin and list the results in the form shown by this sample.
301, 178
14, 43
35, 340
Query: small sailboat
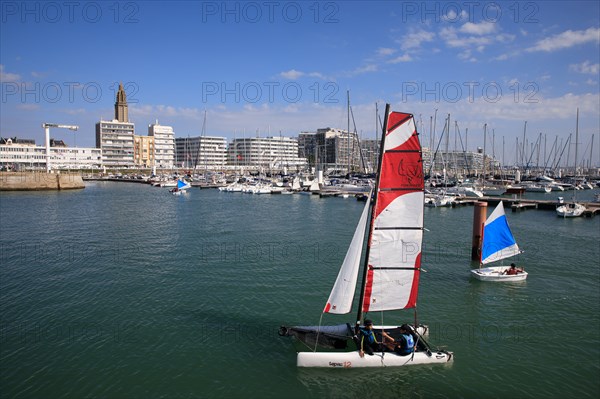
180, 188
392, 262
498, 243
572, 209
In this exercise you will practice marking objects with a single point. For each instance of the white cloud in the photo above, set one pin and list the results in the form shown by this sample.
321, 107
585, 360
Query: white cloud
482, 28
385, 51
452, 16
402, 58
7, 76
364, 69
292, 74
415, 39
452, 38
567, 39
586, 67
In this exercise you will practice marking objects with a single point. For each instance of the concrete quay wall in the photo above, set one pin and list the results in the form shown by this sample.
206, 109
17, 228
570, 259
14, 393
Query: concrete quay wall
32, 181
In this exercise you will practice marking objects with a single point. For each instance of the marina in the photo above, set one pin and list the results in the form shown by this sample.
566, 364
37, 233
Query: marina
353, 200
129, 302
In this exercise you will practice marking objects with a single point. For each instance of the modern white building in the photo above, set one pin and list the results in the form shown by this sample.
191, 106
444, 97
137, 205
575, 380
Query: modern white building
28, 156
117, 143
115, 137
164, 145
203, 152
275, 153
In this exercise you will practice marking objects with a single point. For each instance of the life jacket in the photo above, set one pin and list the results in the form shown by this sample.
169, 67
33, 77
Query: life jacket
368, 335
410, 342
407, 346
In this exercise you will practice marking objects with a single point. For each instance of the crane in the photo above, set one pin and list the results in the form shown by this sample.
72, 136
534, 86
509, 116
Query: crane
47, 127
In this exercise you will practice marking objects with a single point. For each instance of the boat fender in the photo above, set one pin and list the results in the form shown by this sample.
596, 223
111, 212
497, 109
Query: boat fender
283, 331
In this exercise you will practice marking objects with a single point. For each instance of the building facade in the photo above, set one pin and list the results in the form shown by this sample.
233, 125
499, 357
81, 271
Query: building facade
307, 146
370, 154
338, 150
273, 153
164, 145
25, 155
115, 137
201, 152
117, 143
143, 151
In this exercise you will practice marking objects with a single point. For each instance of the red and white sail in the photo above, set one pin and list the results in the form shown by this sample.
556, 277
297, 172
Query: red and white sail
394, 262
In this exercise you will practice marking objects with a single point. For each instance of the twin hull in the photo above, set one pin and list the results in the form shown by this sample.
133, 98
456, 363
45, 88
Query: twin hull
378, 359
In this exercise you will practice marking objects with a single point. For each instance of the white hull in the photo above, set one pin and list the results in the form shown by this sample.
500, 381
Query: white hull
439, 200
539, 189
378, 359
495, 274
572, 210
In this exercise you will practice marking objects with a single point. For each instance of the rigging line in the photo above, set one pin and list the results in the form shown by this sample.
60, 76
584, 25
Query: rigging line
382, 338
318, 332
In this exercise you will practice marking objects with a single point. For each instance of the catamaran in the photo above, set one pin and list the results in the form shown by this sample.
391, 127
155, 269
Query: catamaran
392, 262
498, 243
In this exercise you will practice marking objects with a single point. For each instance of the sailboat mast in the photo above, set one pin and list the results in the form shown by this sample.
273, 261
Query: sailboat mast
373, 207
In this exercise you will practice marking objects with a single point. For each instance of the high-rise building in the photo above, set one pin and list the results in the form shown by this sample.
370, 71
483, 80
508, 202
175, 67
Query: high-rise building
275, 153
164, 145
201, 152
115, 138
307, 145
337, 149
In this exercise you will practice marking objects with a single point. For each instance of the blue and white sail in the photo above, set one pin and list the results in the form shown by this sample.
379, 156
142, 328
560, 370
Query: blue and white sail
498, 241
181, 185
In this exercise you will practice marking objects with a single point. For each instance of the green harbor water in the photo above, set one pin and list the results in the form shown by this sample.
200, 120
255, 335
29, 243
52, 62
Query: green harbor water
125, 291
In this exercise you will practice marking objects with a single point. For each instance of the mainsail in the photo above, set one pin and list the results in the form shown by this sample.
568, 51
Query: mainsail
342, 293
394, 262
181, 185
498, 241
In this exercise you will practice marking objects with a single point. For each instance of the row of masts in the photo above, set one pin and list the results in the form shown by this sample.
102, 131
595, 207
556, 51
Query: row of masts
532, 158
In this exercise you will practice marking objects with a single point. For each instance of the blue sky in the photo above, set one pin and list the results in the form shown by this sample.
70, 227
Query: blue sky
269, 67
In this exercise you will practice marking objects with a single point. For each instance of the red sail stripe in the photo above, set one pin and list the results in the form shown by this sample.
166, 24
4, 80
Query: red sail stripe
412, 299
401, 170
368, 290
396, 119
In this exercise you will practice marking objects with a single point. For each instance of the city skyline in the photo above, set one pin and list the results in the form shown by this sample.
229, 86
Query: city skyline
269, 67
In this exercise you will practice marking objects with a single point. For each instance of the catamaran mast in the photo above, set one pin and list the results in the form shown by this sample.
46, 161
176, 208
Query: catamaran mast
373, 207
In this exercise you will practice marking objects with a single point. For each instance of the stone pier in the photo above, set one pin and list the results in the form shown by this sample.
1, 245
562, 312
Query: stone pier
32, 181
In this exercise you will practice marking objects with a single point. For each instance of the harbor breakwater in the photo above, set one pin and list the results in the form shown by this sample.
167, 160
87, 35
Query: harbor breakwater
32, 181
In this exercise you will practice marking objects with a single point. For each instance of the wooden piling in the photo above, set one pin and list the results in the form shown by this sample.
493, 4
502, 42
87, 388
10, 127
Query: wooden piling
479, 215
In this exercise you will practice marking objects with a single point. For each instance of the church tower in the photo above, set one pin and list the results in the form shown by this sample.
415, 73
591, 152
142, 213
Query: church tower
121, 113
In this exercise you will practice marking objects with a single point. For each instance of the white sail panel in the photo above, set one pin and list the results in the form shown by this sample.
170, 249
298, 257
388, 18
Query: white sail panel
342, 293
403, 211
395, 255
400, 135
